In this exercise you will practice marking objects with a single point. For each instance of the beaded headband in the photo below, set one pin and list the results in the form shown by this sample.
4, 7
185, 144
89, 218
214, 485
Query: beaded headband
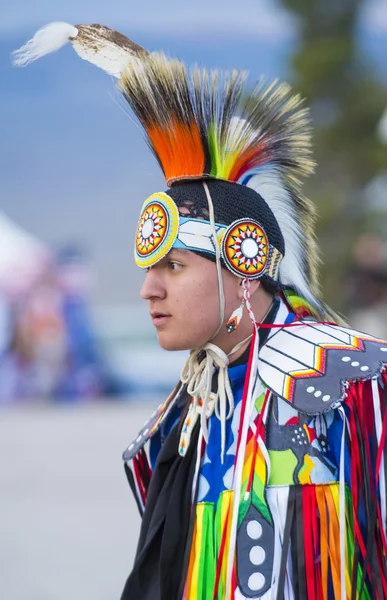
245, 248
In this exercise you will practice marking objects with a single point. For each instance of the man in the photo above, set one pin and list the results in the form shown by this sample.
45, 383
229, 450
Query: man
264, 475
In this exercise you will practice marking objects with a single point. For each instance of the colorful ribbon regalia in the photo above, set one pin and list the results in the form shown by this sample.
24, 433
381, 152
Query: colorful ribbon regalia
302, 512
273, 486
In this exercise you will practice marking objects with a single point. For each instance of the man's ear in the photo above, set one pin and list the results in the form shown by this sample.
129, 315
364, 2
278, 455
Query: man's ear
254, 285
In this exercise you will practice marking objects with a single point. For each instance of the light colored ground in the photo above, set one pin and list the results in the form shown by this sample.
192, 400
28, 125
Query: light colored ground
68, 522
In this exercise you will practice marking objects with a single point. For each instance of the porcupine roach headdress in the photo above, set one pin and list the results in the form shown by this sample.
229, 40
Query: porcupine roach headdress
251, 147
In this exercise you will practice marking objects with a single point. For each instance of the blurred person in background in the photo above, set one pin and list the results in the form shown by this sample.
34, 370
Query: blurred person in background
49, 351
83, 375
5, 334
259, 477
35, 357
40, 338
4, 323
368, 286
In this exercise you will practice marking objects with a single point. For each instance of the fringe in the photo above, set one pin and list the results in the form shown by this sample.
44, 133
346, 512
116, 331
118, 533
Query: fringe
314, 532
319, 523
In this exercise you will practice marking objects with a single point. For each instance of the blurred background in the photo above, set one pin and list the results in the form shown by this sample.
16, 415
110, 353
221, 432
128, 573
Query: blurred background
80, 370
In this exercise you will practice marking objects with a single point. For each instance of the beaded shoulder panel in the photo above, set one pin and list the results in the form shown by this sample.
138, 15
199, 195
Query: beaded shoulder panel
311, 364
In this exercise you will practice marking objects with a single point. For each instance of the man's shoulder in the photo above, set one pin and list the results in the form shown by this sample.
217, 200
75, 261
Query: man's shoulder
310, 364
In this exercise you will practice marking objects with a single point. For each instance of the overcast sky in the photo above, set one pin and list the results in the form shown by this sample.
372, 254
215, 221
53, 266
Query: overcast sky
247, 17
72, 165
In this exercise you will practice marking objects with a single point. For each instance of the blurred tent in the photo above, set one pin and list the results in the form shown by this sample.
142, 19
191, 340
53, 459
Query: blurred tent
23, 257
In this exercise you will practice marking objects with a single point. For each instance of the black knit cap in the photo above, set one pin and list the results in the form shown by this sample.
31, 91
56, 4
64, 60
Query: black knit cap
231, 201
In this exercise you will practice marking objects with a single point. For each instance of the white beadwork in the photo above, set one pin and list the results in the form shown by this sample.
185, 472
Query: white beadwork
254, 530
257, 555
256, 582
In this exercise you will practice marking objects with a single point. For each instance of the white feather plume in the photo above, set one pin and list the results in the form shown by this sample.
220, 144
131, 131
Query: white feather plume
49, 38
106, 48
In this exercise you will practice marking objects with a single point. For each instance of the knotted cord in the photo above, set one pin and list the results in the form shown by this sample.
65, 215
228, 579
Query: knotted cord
197, 375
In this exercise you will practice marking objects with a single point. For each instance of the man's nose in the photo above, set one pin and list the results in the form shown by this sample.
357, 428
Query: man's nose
153, 286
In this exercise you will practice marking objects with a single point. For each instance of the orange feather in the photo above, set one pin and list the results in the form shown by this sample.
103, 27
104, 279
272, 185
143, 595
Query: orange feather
180, 150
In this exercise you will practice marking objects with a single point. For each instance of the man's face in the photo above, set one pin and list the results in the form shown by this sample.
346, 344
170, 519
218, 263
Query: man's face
183, 297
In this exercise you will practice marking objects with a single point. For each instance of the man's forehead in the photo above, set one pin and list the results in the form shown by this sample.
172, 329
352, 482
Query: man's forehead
180, 252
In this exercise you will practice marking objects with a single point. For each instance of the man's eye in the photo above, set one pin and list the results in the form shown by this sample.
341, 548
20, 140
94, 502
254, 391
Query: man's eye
174, 265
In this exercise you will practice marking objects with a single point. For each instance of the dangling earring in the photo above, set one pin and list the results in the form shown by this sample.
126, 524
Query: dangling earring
235, 319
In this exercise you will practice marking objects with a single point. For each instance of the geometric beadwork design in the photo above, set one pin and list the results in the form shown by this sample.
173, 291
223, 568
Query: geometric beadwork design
157, 229
152, 228
273, 263
310, 364
245, 248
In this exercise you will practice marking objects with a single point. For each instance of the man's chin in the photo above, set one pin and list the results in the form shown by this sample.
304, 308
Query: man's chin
177, 343
168, 343
172, 347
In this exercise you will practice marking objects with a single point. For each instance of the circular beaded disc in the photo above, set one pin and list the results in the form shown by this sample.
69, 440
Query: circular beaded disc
245, 248
157, 229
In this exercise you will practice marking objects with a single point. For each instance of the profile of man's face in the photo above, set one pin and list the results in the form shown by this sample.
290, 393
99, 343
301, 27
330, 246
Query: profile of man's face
183, 296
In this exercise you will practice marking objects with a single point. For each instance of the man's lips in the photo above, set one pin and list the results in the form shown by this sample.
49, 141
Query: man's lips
159, 318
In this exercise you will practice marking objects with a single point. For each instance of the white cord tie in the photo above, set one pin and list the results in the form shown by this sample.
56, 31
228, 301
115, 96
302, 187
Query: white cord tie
197, 376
